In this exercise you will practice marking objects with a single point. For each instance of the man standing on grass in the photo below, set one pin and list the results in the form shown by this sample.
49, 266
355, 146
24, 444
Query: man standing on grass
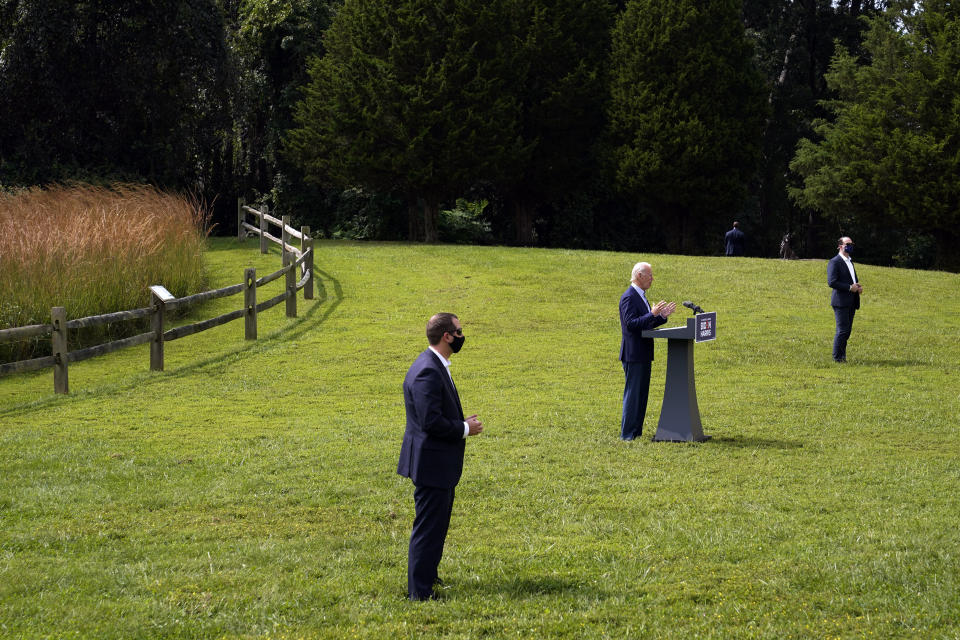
734, 240
845, 298
432, 450
636, 352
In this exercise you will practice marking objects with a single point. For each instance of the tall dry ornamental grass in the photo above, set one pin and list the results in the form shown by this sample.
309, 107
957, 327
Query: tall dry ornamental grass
95, 250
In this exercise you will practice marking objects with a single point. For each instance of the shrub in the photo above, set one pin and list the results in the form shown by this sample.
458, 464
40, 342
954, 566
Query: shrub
94, 250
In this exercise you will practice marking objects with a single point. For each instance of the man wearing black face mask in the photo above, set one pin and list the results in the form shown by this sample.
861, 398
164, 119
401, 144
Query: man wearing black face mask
845, 299
432, 451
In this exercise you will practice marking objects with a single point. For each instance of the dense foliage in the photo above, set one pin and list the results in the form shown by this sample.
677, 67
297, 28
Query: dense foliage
636, 125
686, 114
889, 158
136, 90
413, 97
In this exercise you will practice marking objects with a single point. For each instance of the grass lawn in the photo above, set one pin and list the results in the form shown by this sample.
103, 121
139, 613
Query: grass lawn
250, 490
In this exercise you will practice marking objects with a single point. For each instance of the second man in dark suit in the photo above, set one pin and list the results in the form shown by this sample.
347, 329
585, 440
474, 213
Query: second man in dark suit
636, 352
432, 451
734, 240
845, 299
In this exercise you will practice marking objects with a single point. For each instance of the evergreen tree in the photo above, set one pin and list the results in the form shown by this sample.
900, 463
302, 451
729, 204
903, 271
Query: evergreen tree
413, 97
890, 158
795, 43
686, 114
561, 91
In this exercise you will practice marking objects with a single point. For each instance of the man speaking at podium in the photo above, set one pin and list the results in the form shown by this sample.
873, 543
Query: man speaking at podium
636, 352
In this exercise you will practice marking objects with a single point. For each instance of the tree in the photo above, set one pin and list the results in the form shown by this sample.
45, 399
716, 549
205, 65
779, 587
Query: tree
795, 42
412, 98
272, 42
890, 157
134, 90
686, 114
561, 91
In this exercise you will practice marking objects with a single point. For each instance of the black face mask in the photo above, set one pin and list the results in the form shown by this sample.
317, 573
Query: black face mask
457, 343
848, 248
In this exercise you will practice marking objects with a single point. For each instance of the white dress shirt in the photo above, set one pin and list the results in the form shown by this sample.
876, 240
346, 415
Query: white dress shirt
853, 274
446, 366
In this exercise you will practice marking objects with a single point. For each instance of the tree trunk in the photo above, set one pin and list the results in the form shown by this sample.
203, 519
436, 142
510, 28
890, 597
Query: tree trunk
431, 215
523, 223
415, 220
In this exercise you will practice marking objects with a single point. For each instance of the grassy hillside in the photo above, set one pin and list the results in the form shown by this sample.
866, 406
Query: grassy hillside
249, 490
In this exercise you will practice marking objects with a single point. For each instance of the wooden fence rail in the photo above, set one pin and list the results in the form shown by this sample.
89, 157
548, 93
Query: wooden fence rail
163, 302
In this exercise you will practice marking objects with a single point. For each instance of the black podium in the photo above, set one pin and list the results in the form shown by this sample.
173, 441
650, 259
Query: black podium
680, 415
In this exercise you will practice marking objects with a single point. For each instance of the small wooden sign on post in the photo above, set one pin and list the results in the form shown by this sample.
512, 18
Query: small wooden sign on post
160, 298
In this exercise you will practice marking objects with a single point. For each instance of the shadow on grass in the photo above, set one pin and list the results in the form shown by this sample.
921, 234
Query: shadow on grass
889, 362
753, 442
525, 586
296, 328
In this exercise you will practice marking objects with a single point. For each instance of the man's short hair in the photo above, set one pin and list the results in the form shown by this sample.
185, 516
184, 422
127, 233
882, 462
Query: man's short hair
736, 225
438, 325
637, 268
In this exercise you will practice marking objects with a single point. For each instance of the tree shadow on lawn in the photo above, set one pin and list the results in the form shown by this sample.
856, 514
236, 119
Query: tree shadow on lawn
753, 442
297, 327
525, 586
888, 362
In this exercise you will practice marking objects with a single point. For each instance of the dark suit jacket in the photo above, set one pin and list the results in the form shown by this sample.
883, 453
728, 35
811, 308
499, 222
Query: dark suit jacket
838, 277
433, 444
635, 316
734, 241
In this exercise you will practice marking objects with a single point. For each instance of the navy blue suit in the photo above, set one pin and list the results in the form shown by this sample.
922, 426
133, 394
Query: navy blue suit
734, 242
432, 457
636, 354
844, 302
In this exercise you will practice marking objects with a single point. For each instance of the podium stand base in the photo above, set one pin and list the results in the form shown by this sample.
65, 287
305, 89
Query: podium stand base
702, 439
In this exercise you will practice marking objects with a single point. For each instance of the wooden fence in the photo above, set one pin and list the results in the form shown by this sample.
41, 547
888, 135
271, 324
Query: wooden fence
163, 302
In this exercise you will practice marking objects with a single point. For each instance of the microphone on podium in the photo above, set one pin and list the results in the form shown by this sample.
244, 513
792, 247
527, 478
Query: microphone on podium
692, 306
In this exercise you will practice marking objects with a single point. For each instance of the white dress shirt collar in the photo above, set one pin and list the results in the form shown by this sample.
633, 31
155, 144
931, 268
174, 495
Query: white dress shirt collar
446, 363
641, 292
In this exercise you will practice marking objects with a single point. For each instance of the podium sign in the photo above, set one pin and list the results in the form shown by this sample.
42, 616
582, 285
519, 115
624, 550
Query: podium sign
706, 327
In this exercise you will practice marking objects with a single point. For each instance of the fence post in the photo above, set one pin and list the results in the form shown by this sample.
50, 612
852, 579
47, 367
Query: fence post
58, 340
250, 304
240, 218
308, 265
289, 258
304, 235
284, 236
156, 345
264, 210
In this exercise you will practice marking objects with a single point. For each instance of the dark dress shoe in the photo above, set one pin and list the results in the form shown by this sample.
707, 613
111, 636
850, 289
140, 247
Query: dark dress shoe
422, 597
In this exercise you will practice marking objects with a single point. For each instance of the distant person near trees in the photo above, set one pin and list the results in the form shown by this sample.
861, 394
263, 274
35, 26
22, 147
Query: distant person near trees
845, 299
432, 451
734, 240
636, 352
